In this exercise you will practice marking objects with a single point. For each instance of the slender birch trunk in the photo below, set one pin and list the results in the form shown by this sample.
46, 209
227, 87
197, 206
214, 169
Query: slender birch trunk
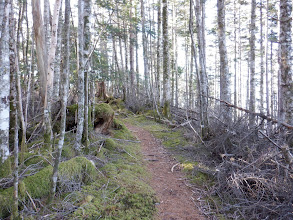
4, 83
87, 44
57, 65
64, 95
47, 28
80, 122
145, 50
159, 63
199, 11
131, 53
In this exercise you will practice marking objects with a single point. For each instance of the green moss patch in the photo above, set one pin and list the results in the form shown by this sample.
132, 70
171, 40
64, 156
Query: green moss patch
103, 110
5, 168
121, 131
38, 186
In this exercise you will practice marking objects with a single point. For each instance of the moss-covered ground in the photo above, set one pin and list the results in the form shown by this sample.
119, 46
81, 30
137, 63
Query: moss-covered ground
107, 181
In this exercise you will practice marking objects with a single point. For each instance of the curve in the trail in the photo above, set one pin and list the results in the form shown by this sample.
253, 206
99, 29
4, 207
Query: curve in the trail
175, 202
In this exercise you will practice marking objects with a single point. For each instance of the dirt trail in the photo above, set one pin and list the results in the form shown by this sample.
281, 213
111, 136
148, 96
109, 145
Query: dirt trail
171, 190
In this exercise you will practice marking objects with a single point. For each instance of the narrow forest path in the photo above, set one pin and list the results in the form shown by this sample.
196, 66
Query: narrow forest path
174, 195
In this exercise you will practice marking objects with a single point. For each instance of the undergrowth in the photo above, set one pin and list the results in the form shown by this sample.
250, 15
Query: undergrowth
109, 181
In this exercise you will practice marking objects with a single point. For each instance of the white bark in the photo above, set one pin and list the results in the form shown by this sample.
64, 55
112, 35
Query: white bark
145, 50
4, 84
203, 80
52, 51
57, 69
80, 85
87, 44
46, 17
64, 95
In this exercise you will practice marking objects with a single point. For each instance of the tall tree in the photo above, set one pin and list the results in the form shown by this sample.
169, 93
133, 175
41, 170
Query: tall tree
41, 51
87, 44
159, 31
131, 51
64, 95
166, 63
225, 93
4, 83
80, 119
252, 63
145, 50
285, 62
203, 79
50, 75
16, 103
262, 67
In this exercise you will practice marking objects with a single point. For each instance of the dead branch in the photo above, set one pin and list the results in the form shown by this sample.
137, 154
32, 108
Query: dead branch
261, 115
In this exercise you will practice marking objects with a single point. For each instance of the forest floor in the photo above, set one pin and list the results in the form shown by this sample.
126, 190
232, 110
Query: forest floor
167, 179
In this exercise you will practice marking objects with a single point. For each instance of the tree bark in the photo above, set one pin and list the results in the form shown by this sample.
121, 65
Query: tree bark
159, 63
4, 83
131, 52
57, 69
80, 123
285, 62
145, 51
199, 9
63, 95
252, 64
41, 51
225, 93
166, 62
87, 44
262, 68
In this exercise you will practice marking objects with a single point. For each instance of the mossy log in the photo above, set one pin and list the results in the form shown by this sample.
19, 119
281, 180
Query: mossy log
104, 116
78, 169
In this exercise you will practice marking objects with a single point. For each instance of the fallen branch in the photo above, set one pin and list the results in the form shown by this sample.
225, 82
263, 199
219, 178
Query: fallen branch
130, 154
172, 169
261, 115
34, 205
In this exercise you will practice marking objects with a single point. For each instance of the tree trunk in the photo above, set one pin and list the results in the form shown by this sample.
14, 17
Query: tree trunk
50, 77
199, 9
46, 17
131, 53
145, 51
159, 63
225, 93
166, 63
285, 63
41, 51
252, 64
63, 95
56, 90
87, 43
4, 84
80, 85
